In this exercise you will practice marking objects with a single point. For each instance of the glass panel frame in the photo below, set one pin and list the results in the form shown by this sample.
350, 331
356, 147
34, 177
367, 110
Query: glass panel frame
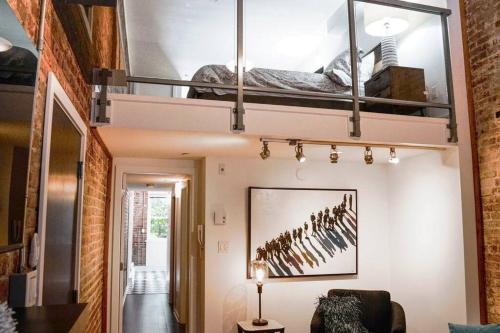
356, 98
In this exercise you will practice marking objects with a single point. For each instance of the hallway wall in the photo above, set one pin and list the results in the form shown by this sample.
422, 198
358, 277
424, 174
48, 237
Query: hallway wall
59, 58
140, 224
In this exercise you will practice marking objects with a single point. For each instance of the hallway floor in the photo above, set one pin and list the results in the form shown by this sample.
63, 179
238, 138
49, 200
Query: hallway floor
149, 280
149, 314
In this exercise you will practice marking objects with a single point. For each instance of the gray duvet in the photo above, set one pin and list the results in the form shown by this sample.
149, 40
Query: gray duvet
268, 78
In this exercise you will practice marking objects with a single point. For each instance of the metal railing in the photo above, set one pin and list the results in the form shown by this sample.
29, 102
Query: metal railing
240, 89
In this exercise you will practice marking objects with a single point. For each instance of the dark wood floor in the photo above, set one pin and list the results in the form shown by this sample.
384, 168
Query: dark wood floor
149, 313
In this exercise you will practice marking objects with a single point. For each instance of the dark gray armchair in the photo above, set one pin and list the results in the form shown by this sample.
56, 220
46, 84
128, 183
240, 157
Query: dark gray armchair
378, 313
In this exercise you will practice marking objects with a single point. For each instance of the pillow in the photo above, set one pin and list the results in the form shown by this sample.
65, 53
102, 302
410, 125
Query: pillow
341, 314
341, 68
492, 328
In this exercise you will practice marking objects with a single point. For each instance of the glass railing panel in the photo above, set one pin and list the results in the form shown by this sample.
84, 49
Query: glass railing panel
176, 91
402, 57
297, 47
181, 40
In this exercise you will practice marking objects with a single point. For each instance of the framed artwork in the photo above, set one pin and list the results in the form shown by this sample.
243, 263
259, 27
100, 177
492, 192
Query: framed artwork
303, 232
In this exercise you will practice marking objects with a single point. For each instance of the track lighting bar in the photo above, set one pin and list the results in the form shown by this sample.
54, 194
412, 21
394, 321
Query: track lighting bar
294, 142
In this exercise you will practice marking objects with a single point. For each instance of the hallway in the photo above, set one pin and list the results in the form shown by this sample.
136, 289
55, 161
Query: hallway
149, 314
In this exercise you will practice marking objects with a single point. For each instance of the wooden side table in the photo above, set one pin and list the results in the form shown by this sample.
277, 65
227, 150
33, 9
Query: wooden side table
272, 327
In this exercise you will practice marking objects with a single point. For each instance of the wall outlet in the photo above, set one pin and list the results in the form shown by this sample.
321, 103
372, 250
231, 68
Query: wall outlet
222, 169
223, 247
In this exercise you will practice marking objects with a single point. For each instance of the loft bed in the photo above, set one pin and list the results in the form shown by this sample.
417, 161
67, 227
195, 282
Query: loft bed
334, 78
270, 78
404, 72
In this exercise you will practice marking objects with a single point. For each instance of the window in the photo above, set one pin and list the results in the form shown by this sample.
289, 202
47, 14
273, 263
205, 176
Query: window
159, 215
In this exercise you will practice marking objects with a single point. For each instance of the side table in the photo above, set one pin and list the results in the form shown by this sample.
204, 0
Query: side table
272, 327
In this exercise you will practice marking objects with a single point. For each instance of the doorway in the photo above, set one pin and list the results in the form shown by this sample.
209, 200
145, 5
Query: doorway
60, 199
149, 220
147, 225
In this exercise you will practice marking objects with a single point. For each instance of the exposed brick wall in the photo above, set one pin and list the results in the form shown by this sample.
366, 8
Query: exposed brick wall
140, 224
482, 26
57, 57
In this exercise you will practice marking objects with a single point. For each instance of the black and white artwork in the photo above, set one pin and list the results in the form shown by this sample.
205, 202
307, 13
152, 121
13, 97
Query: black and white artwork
303, 232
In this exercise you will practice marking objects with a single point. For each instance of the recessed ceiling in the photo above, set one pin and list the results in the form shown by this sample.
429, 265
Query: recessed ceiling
152, 182
164, 144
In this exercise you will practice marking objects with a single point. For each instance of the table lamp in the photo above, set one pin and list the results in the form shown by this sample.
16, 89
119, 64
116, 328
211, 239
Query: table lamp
259, 273
386, 22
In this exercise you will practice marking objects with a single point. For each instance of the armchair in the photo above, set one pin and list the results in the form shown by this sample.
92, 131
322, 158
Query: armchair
378, 313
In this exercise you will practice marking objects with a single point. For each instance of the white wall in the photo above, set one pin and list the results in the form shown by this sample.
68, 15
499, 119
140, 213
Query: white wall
229, 296
410, 240
426, 241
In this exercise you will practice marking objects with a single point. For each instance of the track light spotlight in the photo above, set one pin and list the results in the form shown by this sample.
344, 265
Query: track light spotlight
299, 153
265, 153
368, 156
393, 159
334, 154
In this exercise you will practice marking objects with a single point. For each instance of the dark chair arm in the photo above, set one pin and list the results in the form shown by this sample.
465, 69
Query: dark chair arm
317, 323
398, 319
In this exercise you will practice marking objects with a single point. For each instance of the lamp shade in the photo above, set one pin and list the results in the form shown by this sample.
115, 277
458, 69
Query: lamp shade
5, 45
383, 21
259, 271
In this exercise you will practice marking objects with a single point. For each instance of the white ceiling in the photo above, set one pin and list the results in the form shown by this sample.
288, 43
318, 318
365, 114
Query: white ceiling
162, 144
149, 182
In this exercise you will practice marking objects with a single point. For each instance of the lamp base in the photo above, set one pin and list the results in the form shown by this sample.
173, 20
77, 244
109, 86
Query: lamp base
259, 322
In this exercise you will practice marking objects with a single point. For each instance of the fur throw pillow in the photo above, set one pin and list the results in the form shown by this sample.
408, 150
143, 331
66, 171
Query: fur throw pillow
341, 314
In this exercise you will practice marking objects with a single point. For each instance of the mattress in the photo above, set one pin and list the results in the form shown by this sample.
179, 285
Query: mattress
267, 78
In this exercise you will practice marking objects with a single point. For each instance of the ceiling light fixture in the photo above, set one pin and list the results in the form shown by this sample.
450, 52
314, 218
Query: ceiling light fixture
368, 156
5, 45
299, 153
265, 153
393, 159
334, 154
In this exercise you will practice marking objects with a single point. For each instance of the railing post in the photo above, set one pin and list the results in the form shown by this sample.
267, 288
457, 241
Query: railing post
452, 125
356, 120
237, 124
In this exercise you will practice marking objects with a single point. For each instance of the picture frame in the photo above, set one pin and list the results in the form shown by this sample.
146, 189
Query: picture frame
329, 248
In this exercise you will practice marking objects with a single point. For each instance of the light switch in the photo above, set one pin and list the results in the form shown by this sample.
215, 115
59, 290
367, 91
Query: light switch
223, 247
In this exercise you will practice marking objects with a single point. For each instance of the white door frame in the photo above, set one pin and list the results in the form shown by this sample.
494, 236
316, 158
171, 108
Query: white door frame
120, 170
56, 93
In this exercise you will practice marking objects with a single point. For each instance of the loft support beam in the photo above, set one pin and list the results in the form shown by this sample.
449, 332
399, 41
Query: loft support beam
355, 119
237, 122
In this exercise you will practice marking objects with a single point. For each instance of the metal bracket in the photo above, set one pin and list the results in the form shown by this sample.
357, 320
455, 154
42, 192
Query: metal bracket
453, 133
238, 125
104, 77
